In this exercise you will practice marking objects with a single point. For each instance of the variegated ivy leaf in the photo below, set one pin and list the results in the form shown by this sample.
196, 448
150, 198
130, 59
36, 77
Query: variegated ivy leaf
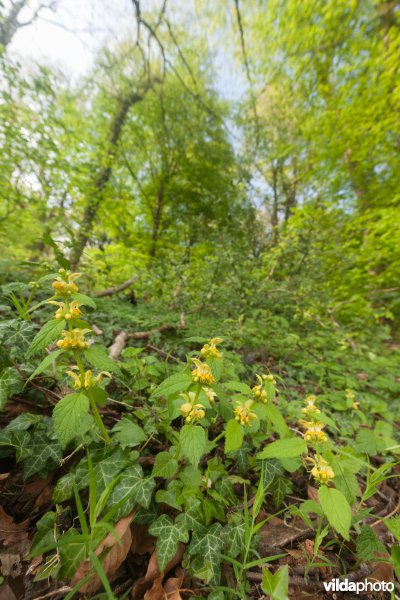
46, 454
193, 516
168, 534
206, 548
233, 535
134, 489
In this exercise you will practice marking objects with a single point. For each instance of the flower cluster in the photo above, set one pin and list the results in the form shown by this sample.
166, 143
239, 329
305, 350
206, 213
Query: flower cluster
88, 380
67, 312
202, 373
210, 350
310, 408
74, 339
314, 431
243, 412
321, 471
190, 409
259, 390
65, 285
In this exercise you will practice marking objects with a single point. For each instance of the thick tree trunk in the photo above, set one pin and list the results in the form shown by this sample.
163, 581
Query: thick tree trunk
102, 178
9, 23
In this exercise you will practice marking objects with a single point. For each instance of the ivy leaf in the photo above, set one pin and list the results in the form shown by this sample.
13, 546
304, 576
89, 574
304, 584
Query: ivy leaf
207, 550
4, 392
71, 554
287, 448
10, 383
281, 487
97, 356
193, 516
193, 441
46, 362
134, 488
336, 509
234, 536
68, 416
172, 495
49, 332
168, 535
233, 436
46, 455
179, 382
165, 465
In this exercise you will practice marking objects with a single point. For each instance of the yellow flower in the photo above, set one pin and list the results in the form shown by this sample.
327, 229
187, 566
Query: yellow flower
74, 339
310, 406
202, 373
355, 405
89, 380
322, 471
190, 410
313, 431
211, 395
243, 412
65, 285
259, 391
350, 395
210, 350
76, 377
63, 313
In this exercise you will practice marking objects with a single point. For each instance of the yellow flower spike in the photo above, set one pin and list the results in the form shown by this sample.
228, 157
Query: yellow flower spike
211, 395
243, 412
89, 379
314, 431
259, 391
202, 373
77, 380
210, 350
321, 471
101, 375
310, 406
74, 339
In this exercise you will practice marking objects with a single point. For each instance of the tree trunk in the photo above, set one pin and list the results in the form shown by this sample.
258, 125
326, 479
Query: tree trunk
9, 23
101, 180
157, 217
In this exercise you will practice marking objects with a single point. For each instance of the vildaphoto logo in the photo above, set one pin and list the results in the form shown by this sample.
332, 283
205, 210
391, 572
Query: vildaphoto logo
338, 585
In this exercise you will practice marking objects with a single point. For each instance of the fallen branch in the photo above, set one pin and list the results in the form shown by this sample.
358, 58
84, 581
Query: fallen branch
122, 338
117, 288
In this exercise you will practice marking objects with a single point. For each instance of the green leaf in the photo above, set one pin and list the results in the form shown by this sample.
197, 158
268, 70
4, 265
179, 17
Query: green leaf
168, 534
193, 442
45, 533
172, 495
287, 448
276, 585
46, 455
165, 465
128, 434
46, 362
68, 417
276, 418
395, 557
179, 382
216, 365
336, 509
393, 525
234, 538
49, 332
193, 516
238, 386
281, 487
368, 545
207, 550
4, 392
134, 488
97, 356
71, 554
61, 259
233, 436
85, 300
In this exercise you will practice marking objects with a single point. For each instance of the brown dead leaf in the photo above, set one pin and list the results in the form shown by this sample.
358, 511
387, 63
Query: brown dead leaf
6, 592
153, 569
156, 592
381, 571
312, 493
142, 541
277, 533
10, 532
4, 476
113, 559
139, 588
10, 564
308, 546
173, 586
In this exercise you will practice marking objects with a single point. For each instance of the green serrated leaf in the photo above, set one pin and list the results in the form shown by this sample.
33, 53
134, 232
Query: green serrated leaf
287, 448
49, 332
165, 465
68, 417
233, 436
179, 382
46, 362
336, 509
193, 442
84, 300
128, 434
97, 356
368, 545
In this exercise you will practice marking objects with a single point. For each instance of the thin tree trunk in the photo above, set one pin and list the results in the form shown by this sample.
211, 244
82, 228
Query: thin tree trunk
157, 217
